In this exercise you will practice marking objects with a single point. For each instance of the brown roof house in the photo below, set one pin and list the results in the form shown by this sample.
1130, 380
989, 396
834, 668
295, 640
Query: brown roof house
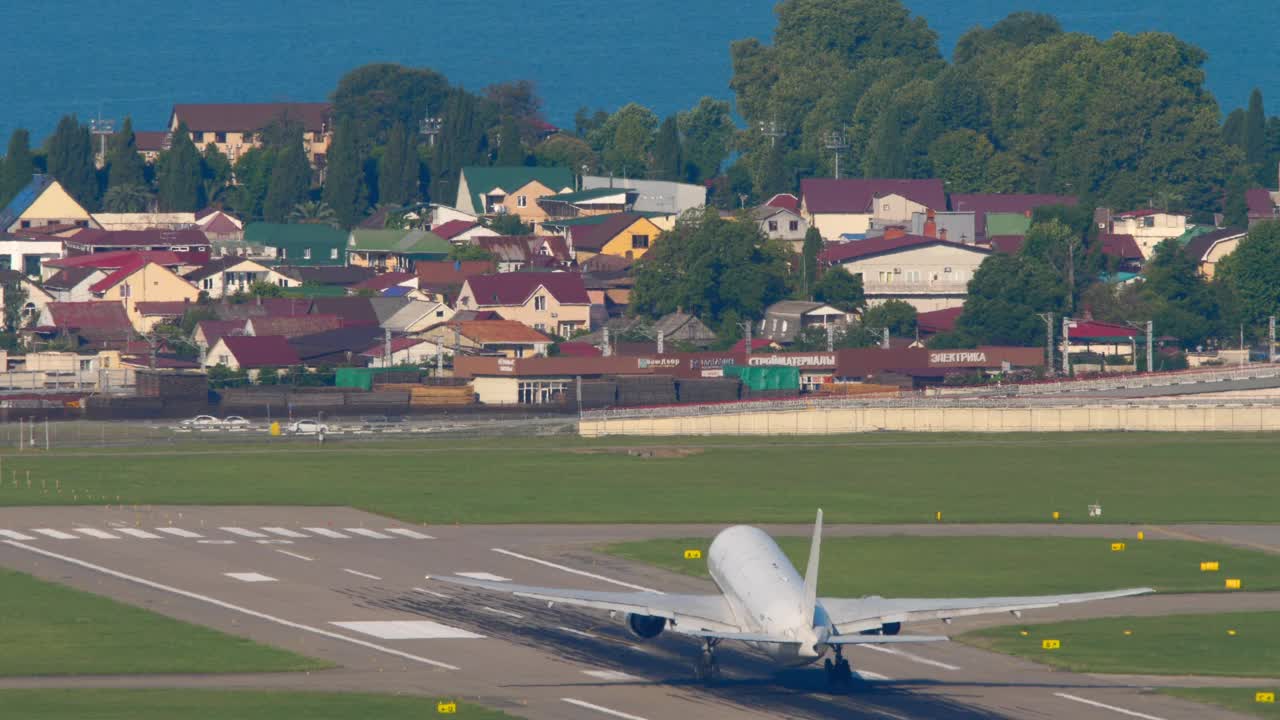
236, 128
252, 353
95, 325
545, 301
849, 206
504, 337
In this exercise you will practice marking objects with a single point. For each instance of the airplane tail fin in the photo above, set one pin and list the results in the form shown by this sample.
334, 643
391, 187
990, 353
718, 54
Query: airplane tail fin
811, 572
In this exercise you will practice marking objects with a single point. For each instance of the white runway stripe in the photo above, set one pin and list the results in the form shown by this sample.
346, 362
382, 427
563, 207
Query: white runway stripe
410, 533
55, 534
868, 675
138, 533
96, 533
496, 611
326, 532
368, 533
284, 532
442, 596
483, 576
361, 574
575, 632
179, 532
574, 571
611, 675
601, 709
1104, 706
243, 532
296, 555
15, 535
910, 656
408, 630
250, 577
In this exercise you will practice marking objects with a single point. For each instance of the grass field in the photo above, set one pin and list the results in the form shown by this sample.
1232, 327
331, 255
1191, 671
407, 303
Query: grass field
868, 478
966, 566
49, 629
222, 705
1238, 699
1169, 645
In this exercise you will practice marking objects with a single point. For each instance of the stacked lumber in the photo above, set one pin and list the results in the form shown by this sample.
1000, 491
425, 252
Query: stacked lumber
432, 395
859, 389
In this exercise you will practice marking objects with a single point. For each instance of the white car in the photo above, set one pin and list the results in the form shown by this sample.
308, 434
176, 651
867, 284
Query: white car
202, 421
235, 421
308, 427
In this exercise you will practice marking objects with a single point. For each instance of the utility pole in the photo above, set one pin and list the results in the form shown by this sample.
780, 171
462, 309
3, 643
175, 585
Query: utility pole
746, 339
837, 142
661, 341
386, 347
607, 350
1066, 346
1048, 340
831, 337
1150, 348
884, 344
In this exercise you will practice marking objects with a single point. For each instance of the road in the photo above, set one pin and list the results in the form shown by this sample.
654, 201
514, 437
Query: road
350, 587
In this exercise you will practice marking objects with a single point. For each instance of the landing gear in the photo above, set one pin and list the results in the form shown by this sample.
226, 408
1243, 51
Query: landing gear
707, 668
839, 674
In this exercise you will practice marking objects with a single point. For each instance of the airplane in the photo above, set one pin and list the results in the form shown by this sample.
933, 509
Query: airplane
764, 603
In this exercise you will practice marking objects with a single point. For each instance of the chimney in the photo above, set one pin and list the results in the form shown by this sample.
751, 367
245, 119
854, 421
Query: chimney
930, 225
942, 234
891, 233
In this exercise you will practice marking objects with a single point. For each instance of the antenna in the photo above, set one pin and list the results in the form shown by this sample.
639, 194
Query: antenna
837, 142
102, 128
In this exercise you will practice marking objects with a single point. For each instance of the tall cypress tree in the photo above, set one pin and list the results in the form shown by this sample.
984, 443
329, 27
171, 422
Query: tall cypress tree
510, 151
290, 178
344, 188
71, 161
1255, 130
18, 166
178, 174
772, 178
461, 142
668, 161
398, 169
124, 165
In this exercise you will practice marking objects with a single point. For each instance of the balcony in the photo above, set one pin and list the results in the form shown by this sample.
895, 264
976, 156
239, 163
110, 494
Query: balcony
936, 287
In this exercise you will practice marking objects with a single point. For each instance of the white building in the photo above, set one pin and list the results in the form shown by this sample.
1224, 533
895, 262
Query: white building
930, 273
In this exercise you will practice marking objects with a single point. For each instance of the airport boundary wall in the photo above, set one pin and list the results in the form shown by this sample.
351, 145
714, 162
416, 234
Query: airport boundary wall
832, 421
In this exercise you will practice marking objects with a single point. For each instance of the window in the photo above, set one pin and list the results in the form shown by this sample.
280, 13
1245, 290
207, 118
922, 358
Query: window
794, 225
306, 253
246, 138
6, 262
1148, 221
333, 253
125, 290
540, 327
86, 365
540, 303
784, 326
440, 313
886, 207
913, 276
521, 201
220, 138
639, 241
773, 226
26, 223
206, 284
224, 359
540, 392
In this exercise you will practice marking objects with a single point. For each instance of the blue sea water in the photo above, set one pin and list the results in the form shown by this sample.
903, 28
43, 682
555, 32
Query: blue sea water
138, 57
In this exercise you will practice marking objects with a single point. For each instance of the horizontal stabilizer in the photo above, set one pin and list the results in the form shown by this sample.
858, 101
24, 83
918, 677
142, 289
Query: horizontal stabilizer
883, 639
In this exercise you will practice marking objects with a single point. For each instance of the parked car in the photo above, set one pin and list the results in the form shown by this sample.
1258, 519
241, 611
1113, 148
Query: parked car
202, 421
308, 427
235, 421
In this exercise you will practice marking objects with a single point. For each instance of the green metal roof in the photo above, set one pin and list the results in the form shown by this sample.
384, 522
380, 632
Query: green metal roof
283, 235
480, 179
1007, 224
405, 242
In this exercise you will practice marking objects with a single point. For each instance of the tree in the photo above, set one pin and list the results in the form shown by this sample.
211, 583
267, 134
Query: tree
125, 166
897, 315
563, 150
127, 199
463, 141
376, 97
625, 139
311, 212
510, 225
15, 301
518, 100
1006, 296
466, 251
70, 160
707, 132
960, 158
1254, 130
1181, 302
398, 169
720, 270
290, 178
215, 173
18, 166
264, 289
1062, 248
510, 149
253, 174
772, 176
1251, 274
841, 290
1233, 129
668, 163
1235, 206
809, 252
178, 174
344, 188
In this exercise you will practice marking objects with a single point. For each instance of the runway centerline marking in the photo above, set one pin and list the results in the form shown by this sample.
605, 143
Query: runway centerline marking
368, 533
442, 596
508, 613
405, 532
230, 606
15, 535
601, 709
610, 675
96, 533
326, 532
910, 656
408, 630
868, 675
55, 534
179, 532
483, 576
296, 555
575, 571
242, 532
284, 532
250, 577
1104, 706
361, 574
138, 533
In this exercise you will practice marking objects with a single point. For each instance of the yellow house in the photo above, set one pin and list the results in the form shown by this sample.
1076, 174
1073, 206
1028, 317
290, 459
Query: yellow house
506, 337
43, 203
555, 302
236, 128
1208, 249
513, 190
625, 235
143, 282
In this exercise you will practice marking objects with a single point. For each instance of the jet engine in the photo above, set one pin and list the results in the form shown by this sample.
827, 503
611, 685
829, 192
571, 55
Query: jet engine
645, 626
886, 629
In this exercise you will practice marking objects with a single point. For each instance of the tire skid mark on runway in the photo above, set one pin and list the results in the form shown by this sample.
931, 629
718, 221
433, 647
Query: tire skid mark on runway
229, 606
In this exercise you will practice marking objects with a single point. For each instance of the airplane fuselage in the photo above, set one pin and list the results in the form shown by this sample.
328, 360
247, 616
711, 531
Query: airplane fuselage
766, 594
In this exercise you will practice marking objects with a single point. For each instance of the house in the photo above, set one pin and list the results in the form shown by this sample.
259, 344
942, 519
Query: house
112, 222
955, 226
141, 282
503, 337
178, 262
1209, 248
208, 332
352, 309
546, 301
95, 325
230, 275
337, 347
386, 250
1123, 251
219, 225
1149, 227
780, 223
435, 215
441, 281
43, 203
290, 326
416, 316
36, 297
929, 273
626, 235
848, 206
1263, 205
378, 283
27, 253
1007, 205
653, 196
786, 201
151, 143
461, 231
300, 243
679, 327
236, 128
510, 190
72, 284
597, 201
516, 252
252, 353
93, 240
404, 351
784, 320
333, 279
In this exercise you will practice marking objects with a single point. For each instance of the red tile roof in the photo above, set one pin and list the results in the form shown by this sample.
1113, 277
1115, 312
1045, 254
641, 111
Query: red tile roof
121, 258
579, 349
453, 228
756, 344
1123, 247
595, 237
214, 330
289, 326
151, 237
118, 276
150, 140
444, 273
351, 310
828, 195
1260, 203
858, 249
516, 287
937, 321
1084, 329
499, 332
787, 201
98, 315
258, 351
240, 117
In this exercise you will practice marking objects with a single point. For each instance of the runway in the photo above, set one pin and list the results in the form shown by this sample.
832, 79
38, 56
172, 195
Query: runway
351, 587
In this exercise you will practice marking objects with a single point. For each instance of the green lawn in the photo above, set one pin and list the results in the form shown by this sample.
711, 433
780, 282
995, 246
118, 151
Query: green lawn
223, 705
1176, 477
1169, 645
49, 629
901, 566
1238, 699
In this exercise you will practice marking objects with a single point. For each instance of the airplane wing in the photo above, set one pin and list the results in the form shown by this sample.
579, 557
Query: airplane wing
687, 612
852, 615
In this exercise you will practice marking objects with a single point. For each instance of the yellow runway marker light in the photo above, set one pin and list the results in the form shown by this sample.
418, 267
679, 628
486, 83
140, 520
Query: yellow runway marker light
1023, 633
1128, 632
937, 517
1264, 697
1117, 547
1050, 644
1233, 583
1141, 536
1056, 515
1210, 566
1231, 632
692, 554
446, 708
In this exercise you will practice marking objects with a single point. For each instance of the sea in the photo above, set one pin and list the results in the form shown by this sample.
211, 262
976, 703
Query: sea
139, 57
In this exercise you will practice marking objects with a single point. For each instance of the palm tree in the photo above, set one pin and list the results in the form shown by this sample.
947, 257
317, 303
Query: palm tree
127, 199
313, 213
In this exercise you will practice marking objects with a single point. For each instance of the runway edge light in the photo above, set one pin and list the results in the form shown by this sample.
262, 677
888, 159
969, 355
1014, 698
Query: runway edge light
1264, 697
1233, 583
692, 554
1050, 644
446, 708
1117, 547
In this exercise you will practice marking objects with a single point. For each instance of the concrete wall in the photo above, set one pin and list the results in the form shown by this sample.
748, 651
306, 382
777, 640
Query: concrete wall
1041, 419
